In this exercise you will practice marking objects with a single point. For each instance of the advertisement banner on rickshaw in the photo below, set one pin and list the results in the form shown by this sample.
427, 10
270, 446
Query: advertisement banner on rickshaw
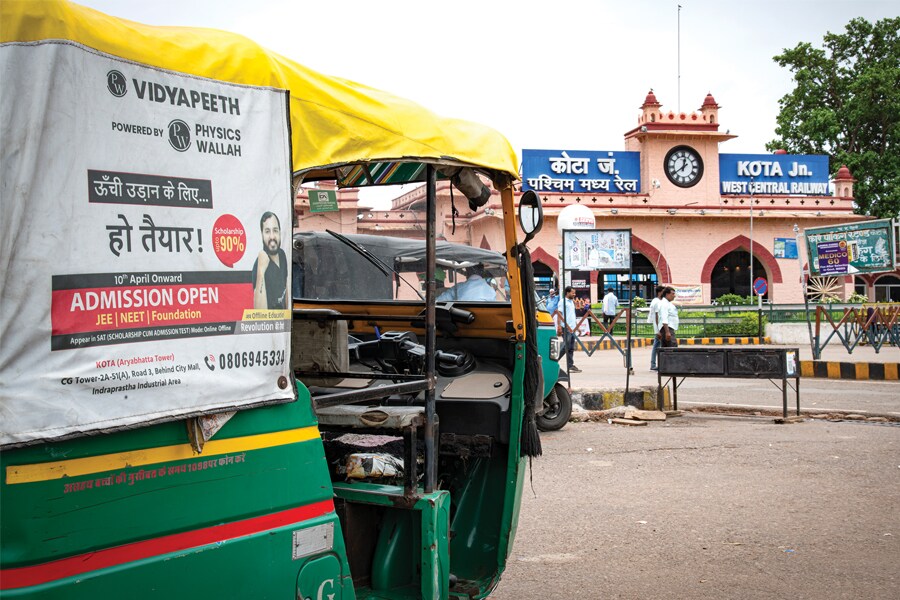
146, 274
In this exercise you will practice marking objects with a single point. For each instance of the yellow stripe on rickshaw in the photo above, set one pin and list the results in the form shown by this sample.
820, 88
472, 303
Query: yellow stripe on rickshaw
78, 467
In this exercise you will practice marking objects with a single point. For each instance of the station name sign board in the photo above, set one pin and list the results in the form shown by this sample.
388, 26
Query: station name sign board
585, 172
803, 174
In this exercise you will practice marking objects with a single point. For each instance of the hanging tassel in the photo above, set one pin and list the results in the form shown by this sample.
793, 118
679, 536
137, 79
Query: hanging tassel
533, 386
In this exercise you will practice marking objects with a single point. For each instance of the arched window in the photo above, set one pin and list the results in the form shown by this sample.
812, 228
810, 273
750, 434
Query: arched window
859, 286
887, 289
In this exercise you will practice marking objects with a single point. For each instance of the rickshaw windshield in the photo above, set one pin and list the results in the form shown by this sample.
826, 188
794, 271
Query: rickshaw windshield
327, 268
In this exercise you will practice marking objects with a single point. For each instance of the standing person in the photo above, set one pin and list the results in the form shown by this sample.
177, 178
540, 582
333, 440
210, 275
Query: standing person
653, 319
553, 303
270, 271
475, 288
610, 307
668, 319
570, 322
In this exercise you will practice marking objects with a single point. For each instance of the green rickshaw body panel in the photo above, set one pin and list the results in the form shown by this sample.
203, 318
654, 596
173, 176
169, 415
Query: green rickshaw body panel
91, 518
549, 367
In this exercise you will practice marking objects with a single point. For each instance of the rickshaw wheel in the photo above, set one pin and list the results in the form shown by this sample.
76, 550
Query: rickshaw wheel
558, 409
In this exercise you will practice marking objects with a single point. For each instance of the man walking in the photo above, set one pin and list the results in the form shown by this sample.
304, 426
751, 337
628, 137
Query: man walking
610, 308
668, 319
653, 319
568, 328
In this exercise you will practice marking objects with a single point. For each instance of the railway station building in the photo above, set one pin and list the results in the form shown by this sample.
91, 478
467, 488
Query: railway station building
695, 212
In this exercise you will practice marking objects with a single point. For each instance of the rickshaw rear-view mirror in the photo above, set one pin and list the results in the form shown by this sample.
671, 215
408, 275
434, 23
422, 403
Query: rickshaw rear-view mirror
531, 214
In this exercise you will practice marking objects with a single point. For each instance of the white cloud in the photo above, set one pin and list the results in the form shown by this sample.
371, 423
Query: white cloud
560, 75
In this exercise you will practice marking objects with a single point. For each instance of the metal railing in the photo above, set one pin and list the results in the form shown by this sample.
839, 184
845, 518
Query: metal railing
852, 325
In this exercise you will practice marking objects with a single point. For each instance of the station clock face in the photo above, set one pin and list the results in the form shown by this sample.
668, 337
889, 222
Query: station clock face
683, 166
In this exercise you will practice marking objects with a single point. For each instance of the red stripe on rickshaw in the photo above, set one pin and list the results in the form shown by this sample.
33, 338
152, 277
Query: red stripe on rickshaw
111, 557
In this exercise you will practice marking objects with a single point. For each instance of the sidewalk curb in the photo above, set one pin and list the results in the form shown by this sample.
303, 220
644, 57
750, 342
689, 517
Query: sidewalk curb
849, 370
643, 397
833, 414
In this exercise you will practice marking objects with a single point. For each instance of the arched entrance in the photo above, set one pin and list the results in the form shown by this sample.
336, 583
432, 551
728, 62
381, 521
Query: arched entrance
643, 280
731, 275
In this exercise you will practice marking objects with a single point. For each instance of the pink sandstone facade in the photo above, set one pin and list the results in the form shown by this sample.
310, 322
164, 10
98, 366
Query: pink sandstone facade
684, 233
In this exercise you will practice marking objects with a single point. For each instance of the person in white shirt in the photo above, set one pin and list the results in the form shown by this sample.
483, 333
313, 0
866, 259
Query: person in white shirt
610, 307
653, 319
668, 319
571, 321
474, 289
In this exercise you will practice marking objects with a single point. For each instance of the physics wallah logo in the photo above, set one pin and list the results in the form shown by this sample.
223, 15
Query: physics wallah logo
116, 84
179, 135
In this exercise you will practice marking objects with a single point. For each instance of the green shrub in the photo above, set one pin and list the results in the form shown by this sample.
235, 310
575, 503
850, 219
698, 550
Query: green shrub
747, 326
733, 300
638, 302
856, 298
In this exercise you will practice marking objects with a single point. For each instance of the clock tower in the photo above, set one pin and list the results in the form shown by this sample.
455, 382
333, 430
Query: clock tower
679, 151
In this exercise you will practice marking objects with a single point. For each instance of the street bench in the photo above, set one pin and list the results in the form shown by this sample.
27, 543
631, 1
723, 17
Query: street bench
730, 363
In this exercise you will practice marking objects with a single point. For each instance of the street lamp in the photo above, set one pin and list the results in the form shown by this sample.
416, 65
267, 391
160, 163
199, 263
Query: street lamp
804, 279
751, 236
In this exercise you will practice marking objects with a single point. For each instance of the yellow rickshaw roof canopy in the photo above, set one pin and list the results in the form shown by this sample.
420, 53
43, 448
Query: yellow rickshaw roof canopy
337, 125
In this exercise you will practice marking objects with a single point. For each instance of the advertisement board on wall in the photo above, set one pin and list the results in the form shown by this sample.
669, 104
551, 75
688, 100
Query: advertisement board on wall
864, 247
597, 249
802, 174
147, 273
323, 201
579, 171
688, 294
785, 248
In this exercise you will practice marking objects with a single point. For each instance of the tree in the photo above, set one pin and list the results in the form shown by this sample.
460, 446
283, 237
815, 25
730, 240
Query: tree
846, 103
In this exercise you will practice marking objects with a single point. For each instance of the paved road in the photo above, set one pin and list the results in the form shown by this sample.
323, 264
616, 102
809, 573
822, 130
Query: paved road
605, 370
706, 506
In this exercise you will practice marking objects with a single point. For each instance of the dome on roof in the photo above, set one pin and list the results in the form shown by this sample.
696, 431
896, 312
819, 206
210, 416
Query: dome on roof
650, 100
843, 173
709, 102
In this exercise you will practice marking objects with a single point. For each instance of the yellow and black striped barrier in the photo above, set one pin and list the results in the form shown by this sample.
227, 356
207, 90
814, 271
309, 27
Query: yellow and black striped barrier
724, 341
714, 341
831, 369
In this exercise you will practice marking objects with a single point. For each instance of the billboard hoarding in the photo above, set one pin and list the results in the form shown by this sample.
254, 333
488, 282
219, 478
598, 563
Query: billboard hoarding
597, 249
848, 249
